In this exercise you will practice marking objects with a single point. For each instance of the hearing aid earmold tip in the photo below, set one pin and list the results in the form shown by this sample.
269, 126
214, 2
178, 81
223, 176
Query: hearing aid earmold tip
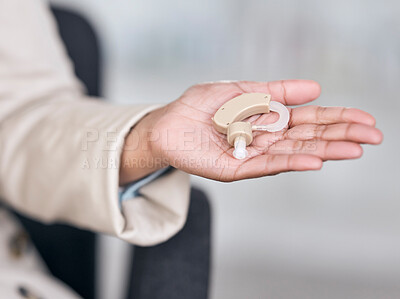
240, 154
240, 151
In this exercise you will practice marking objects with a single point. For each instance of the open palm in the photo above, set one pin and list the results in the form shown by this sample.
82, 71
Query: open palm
183, 134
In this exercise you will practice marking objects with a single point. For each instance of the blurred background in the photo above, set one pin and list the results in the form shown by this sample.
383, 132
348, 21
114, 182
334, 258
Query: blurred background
328, 234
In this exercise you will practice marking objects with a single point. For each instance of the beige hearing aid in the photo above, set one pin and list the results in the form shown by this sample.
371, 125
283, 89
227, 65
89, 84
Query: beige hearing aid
228, 119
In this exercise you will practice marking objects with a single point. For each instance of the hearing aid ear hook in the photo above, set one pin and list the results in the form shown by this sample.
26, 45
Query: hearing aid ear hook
228, 119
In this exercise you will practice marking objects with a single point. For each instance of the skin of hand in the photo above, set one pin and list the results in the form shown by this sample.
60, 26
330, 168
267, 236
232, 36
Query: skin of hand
181, 134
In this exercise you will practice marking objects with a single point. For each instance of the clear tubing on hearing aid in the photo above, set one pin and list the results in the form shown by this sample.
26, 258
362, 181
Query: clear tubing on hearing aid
240, 151
280, 124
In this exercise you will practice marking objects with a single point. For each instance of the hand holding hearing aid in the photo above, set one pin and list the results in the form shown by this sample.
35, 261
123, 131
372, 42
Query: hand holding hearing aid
207, 132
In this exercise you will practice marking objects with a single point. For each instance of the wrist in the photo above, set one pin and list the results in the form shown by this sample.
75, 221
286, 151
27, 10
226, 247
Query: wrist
138, 157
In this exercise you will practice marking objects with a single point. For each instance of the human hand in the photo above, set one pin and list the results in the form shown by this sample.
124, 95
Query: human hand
181, 134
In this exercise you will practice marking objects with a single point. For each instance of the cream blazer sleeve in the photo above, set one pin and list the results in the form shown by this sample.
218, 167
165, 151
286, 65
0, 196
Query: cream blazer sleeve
60, 150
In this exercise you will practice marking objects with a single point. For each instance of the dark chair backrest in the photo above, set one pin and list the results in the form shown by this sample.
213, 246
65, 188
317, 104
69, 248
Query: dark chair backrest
69, 252
83, 48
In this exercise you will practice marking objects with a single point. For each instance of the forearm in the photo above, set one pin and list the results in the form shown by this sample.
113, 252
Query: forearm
60, 150
138, 157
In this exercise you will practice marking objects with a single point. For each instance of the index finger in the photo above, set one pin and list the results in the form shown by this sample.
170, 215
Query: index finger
287, 92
